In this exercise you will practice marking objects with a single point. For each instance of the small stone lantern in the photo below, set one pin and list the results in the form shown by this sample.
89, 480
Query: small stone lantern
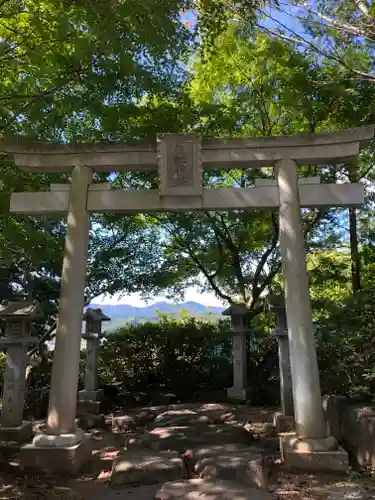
276, 304
18, 317
89, 399
239, 315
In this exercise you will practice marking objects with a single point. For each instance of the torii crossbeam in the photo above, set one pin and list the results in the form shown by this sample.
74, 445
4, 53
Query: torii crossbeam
189, 194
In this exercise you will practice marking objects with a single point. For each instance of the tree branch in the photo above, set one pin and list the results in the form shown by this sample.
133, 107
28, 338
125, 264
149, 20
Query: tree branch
364, 9
207, 275
256, 289
340, 25
49, 334
301, 41
234, 250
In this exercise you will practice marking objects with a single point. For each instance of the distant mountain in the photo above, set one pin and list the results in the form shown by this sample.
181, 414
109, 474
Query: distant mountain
124, 313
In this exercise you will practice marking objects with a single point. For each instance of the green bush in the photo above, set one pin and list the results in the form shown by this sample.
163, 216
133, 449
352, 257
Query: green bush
185, 357
174, 356
346, 346
38, 386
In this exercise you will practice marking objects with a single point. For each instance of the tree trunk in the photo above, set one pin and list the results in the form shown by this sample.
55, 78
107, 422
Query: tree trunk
353, 232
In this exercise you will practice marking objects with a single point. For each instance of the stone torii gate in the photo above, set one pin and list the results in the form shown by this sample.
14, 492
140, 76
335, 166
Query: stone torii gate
180, 160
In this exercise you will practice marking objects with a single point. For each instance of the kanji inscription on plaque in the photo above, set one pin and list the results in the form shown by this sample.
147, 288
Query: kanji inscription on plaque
180, 167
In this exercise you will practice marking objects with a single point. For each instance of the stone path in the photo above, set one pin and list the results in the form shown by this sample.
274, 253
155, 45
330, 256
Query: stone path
191, 448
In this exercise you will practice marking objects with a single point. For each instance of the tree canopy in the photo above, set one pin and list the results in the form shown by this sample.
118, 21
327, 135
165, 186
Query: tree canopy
125, 71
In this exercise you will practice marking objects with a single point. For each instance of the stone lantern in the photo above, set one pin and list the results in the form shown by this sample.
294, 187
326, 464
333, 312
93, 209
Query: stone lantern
18, 317
89, 399
239, 315
276, 304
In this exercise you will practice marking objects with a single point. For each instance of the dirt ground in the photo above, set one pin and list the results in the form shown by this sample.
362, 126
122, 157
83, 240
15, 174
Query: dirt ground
93, 484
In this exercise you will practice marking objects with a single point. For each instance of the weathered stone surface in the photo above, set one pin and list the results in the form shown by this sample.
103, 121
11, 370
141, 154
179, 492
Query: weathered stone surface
91, 395
59, 460
313, 461
122, 423
90, 407
240, 390
205, 414
306, 386
179, 162
350, 492
19, 434
220, 449
307, 148
276, 304
358, 427
333, 408
318, 461
175, 418
180, 438
245, 467
202, 489
145, 416
90, 420
146, 467
131, 420
60, 440
283, 423
306, 445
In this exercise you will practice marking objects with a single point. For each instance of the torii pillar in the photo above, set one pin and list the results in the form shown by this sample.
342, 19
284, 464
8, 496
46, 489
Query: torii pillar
310, 447
65, 447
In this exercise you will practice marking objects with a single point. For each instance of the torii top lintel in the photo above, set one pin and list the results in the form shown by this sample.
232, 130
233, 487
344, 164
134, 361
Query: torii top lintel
321, 148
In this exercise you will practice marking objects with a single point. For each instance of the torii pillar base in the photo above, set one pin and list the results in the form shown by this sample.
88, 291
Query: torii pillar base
57, 455
313, 455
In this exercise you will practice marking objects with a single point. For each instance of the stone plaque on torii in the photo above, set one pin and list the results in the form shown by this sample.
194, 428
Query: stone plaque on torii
180, 160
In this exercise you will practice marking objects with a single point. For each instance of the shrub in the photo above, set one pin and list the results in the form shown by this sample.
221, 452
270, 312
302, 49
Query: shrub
184, 357
177, 356
346, 346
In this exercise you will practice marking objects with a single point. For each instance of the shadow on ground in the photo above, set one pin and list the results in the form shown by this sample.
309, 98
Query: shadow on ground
94, 481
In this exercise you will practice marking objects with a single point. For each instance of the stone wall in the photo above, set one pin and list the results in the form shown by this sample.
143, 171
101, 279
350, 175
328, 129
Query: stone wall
353, 425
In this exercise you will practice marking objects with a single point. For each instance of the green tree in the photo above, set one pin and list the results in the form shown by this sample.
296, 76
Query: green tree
65, 65
262, 87
340, 32
76, 72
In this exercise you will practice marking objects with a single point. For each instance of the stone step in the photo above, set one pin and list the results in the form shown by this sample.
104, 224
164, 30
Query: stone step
181, 438
132, 420
145, 467
202, 415
244, 466
203, 489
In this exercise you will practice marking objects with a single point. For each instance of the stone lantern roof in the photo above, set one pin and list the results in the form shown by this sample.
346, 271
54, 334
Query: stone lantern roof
21, 309
95, 315
236, 309
276, 302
